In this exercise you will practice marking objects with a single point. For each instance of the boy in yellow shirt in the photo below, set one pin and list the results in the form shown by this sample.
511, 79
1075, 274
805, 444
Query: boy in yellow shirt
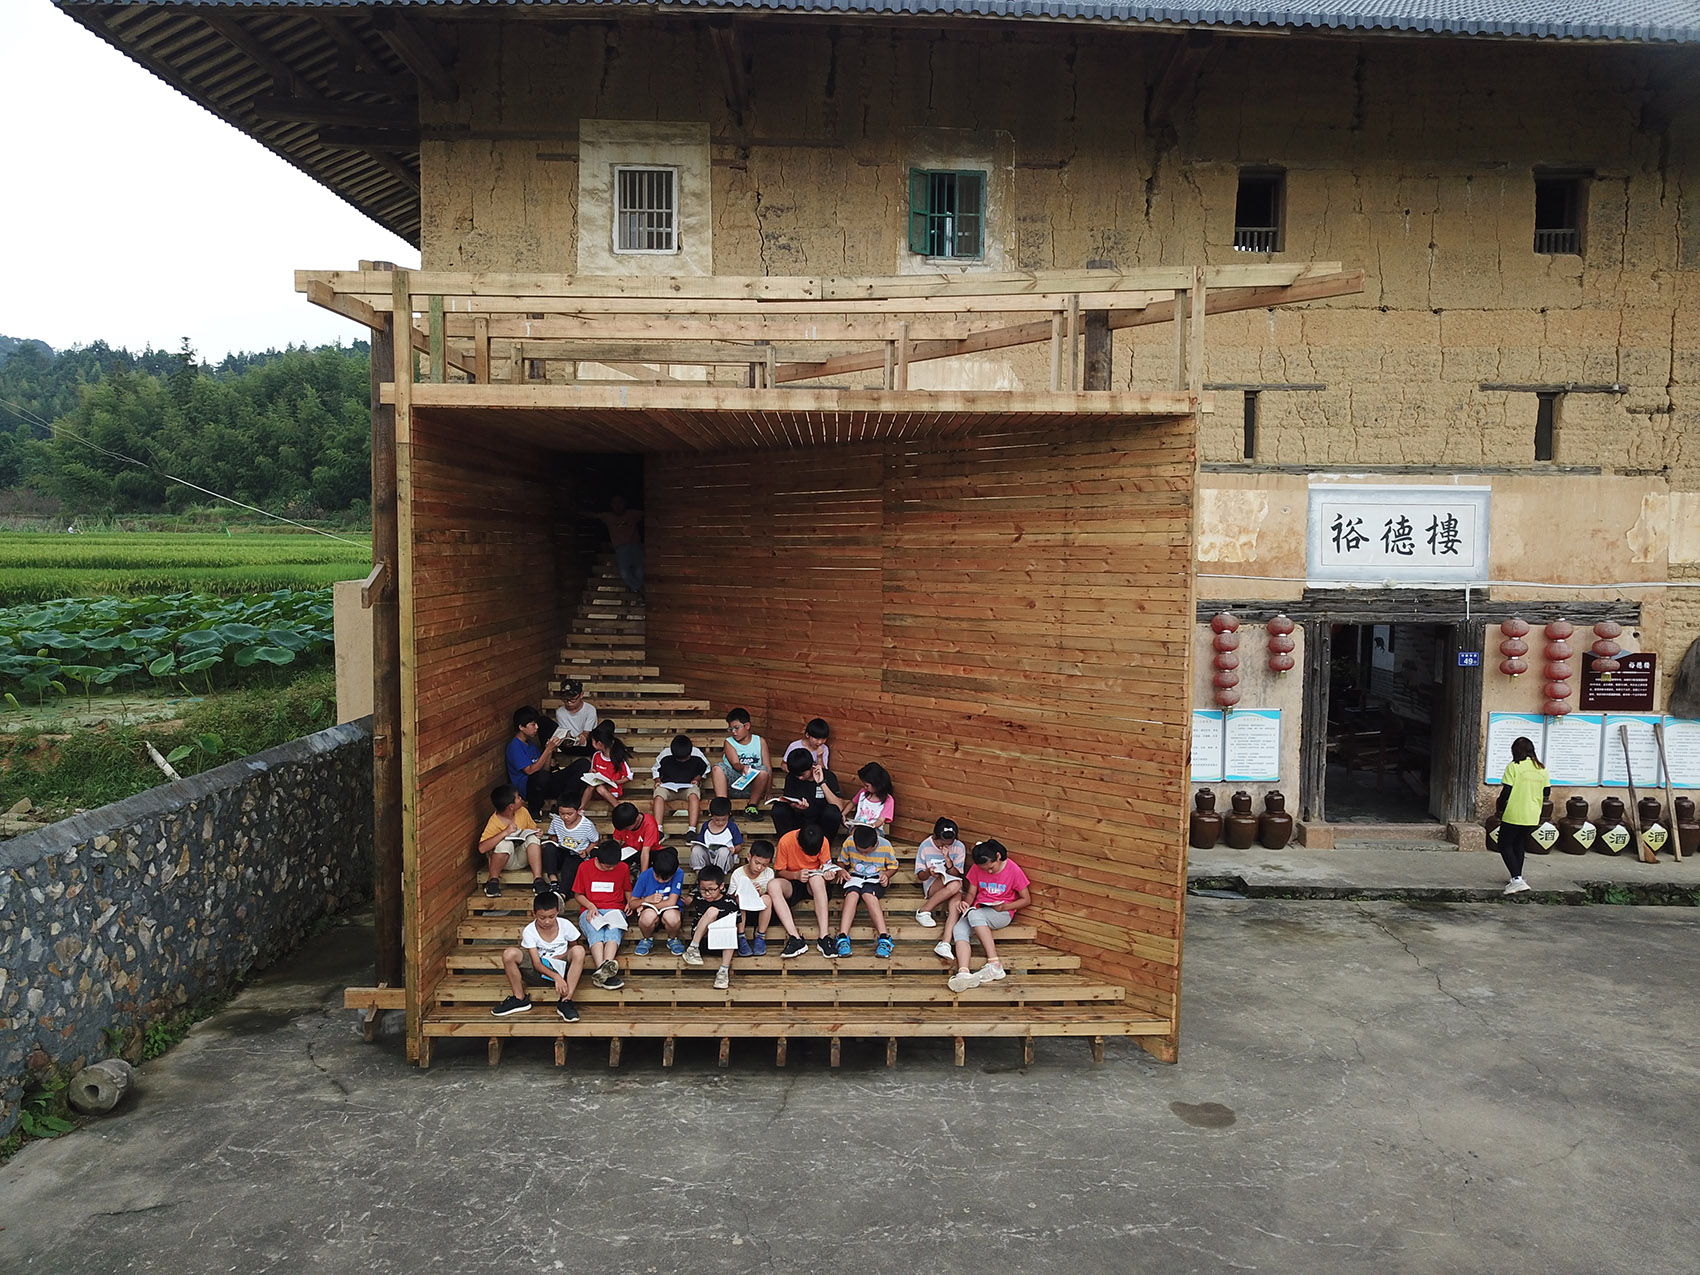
509, 830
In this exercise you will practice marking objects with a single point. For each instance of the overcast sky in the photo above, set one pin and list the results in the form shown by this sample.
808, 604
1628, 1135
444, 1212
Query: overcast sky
130, 214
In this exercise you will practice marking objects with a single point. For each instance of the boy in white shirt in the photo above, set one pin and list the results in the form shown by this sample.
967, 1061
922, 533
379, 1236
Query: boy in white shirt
748, 884
569, 839
574, 720
550, 943
940, 862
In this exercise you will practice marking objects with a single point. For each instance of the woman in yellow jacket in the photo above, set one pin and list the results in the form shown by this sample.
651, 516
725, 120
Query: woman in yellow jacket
1523, 789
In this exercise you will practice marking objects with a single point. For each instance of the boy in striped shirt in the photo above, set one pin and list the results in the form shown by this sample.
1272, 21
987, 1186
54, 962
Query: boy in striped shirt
869, 863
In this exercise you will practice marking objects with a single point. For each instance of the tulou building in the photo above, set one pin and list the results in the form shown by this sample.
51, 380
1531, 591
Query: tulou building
968, 361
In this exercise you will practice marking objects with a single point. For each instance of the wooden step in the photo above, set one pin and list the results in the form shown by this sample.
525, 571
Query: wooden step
593, 671
666, 990
504, 929
612, 689
1017, 958
517, 901
605, 639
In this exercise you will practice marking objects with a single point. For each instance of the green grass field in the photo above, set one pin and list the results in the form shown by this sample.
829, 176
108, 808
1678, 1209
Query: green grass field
39, 566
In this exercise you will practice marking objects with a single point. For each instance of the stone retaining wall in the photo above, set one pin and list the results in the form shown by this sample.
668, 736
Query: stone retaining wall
125, 915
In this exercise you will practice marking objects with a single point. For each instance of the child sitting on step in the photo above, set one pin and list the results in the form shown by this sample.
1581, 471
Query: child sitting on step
717, 841
940, 861
604, 892
713, 905
678, 775
610, 765
744, 767
874, 804
657, 894
550, 944
507, 832
868, 863
748, 884
569, 839
997, 890
574, 720
637, 834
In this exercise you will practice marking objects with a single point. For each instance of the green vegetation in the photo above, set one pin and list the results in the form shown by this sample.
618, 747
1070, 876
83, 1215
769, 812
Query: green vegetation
62, 773
40, 566
101, 430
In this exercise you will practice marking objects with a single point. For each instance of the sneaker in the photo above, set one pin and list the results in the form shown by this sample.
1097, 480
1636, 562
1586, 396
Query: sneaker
944, 949
758, 945
828, 948
598, 978
568, 1012
608, 969
882, 948
723, 978
643, 946
676, 946
613, 982
745, 947
991, 972
793, 947
691, 833
925, 918
844, 945
538, 885
693, 955
512, 1005
752, 812
962, 981
1516, 886
492, 889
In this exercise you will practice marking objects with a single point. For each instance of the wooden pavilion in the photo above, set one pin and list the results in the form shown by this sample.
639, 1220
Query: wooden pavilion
989, 591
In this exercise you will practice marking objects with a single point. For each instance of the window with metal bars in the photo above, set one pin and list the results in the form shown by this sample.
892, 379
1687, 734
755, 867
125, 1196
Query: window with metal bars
1257, 210
947, 213
1558, 214
645, 210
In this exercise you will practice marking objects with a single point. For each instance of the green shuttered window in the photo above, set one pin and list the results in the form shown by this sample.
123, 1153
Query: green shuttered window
947, 213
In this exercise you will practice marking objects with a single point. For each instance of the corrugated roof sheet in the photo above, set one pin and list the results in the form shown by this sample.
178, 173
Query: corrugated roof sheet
1655, 21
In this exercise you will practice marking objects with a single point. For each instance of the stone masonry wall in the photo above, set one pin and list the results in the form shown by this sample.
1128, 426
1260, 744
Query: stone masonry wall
124, 915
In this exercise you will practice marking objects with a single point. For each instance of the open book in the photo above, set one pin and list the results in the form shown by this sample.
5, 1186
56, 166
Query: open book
607, 919
591, 777
749, 898
743, 781
796, 802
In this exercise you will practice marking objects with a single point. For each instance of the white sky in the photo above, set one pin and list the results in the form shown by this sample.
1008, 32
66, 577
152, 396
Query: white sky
130, 214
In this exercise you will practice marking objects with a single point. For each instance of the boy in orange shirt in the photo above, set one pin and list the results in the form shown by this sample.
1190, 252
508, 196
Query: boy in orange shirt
802, 865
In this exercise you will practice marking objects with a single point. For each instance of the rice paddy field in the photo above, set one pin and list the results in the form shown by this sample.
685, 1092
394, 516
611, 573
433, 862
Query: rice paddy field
39, 566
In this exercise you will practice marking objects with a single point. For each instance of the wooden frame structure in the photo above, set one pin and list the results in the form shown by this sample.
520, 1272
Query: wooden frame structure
990, 591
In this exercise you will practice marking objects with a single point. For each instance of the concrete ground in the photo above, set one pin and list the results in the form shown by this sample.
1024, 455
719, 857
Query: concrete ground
1362, 1086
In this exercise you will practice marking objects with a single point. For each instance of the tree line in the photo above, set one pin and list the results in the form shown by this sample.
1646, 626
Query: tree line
98, 429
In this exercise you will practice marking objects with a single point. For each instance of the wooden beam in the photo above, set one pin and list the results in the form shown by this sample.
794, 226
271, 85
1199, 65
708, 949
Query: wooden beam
1100, 349
387, 870
420, 52
349, 307
283, 75
395, 168
317, 110
369, 586
1179, 77
404, 88
354, 53
370, 139
734, 68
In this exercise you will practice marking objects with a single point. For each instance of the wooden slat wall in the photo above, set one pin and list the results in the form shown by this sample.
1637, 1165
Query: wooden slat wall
1004, 622
487, 586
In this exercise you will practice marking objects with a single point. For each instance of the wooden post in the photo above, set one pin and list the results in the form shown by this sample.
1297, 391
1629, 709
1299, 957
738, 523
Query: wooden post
891, 1051
779, 1051
1026, 1051
1313, 720
494, 1049
725, 1051
560, 1051
1180, 340
438, 342
667, 1052
961, 1050
481, 349
1074, 341
386, 668
614, 1051
1195, 346
1099, 346
902, 373
1097, 1049
890, 364
835, 1051
1056, 351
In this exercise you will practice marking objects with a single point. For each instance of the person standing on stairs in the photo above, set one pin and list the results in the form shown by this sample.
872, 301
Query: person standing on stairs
623, 530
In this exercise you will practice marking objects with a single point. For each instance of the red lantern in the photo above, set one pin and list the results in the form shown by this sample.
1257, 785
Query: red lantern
1558, 670
1513, 666
1226, 641
1608, 629
1229, 697
1605, 649
1225, 679
1226, 660
1560, 629
1557, 708
1515, 627
1282, 643
1514, 646
1281, 625
1559, 649
1558, 690
1225, 622
1281, 662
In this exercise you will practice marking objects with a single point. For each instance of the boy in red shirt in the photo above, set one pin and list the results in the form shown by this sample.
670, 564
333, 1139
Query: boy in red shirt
604, 892
997, 890
637, 834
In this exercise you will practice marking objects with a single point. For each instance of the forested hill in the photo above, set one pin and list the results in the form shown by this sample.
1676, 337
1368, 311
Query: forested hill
98, 428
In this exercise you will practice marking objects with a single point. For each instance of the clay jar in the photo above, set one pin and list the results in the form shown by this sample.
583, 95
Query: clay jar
1687, 826
1545, 835
1615, 836
1576, 835
1275, 825
1241, 824
1205, 826
1655, 831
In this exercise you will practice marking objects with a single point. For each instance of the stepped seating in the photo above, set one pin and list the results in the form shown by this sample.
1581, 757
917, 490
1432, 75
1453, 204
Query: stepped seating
808, 997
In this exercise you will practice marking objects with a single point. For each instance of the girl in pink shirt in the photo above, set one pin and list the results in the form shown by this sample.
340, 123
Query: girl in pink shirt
874, 805
997, 890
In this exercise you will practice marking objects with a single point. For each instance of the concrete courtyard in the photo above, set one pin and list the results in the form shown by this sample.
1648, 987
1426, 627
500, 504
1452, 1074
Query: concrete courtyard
1362, 1086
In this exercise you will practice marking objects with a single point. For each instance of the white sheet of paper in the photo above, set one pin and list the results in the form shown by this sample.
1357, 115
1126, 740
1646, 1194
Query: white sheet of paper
723, 934
1643, 752
1682, 751
1206, 745
1572, 752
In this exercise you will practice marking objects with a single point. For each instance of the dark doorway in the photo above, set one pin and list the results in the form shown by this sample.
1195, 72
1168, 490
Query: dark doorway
1386, 710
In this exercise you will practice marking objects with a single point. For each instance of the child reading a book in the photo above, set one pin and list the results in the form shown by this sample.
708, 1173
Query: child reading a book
748, 884
637, 834
657, 895
678, 774
574, 720
815, 735
874, 805
610, 765
810, 794
803, 866
868, 863
997, 890
717, 841
569, 839
714, 906
743, 768
939, 864
604, 892
550, 944
507, 832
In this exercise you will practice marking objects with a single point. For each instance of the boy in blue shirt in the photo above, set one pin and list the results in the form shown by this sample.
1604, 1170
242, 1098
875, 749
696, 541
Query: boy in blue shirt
529, 765
870, 862
657, 897
717, 841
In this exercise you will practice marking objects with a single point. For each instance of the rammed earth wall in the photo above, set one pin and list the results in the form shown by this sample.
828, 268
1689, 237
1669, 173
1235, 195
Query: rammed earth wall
125, 915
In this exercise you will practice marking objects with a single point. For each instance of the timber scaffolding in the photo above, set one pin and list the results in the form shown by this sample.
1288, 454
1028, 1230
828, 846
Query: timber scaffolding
992, 593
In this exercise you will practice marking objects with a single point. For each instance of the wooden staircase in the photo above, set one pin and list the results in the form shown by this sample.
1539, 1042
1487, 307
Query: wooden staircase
811, 996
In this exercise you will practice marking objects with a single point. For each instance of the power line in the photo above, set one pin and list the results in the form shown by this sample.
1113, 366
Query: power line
30, 418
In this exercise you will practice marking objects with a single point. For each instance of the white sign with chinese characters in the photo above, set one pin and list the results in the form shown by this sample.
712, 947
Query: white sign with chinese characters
1401, 536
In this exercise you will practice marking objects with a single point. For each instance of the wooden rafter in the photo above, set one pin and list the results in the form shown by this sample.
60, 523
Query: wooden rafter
315, 110
415, 44
734, 69
283, 75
